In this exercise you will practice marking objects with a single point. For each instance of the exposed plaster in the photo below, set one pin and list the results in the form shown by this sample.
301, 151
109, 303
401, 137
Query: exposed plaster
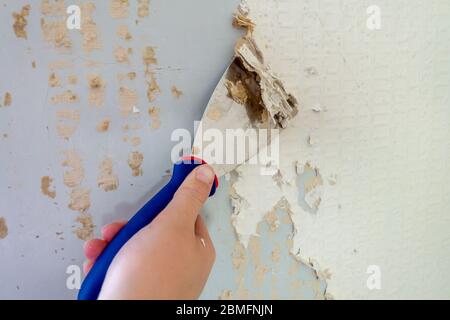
107, 180
3, 228
143, 8
46, 187
7, 99
135, 162
20, 21
177, 93
86, 229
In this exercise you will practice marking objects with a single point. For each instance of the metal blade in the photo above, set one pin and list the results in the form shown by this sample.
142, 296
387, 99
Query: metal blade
248, 98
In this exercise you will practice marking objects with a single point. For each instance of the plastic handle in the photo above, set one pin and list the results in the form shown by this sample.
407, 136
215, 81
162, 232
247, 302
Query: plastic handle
93, 282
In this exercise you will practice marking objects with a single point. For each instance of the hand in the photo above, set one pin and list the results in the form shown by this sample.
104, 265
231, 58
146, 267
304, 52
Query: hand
171, 258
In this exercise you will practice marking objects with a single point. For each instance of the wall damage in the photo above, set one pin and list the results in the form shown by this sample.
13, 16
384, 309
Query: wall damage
371, 215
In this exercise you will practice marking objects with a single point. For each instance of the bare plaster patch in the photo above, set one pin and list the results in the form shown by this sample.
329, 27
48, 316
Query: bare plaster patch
97, 88
123, 32
7, 99
46, 187
154, 116
74, 174
68, 114
66, 131
3, 228
135, 162
53, 8
143, 8
20, 21
86, 230
177, 93
119, 9
106, 179
80, 199
56, 33
103, 125
149, 59
89, 28
66, 97
121, 55
128, 99
54, 80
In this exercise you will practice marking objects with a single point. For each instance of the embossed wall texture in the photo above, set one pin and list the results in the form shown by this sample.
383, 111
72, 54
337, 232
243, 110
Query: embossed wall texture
375, 123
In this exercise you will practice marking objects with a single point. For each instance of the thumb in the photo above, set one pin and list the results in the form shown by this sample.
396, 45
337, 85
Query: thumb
192, 194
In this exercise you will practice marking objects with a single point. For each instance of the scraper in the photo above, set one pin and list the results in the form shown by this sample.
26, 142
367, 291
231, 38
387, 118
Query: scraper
248, 96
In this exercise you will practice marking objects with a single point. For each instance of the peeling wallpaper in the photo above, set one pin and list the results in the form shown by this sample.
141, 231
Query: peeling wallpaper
360, 202
374, 129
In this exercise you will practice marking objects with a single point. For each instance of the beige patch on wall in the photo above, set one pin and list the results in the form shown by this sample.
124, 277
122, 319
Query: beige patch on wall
134, 141
121, 77
3, 228
128, 99
119, 9
89, 28
66, 97
135, 162
103, 125
7, 99
56, 33
53, 24
53, 8
68, 114
131, 75
54, 80
154, 116
74, 174
97, 88
72, 79
177, 93
123, 32
149, 59
80, 199
86, 230
60, 65
66, 131
46, 187
20, 21
106, 179
143, 8
121, 54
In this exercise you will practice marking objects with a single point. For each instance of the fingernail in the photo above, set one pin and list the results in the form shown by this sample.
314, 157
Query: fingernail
205, 174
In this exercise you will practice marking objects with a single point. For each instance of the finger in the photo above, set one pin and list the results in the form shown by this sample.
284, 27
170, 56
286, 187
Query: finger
93, 248
87, 266
201, 230
204, 239
191, 195
110, 230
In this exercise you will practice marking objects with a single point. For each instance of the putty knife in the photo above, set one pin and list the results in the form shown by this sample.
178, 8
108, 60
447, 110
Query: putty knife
247, 97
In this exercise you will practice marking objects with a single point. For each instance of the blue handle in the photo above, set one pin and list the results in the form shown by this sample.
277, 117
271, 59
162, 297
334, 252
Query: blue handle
93, 282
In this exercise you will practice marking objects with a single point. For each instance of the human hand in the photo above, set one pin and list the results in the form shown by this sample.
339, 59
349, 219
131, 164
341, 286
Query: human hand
171, 258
